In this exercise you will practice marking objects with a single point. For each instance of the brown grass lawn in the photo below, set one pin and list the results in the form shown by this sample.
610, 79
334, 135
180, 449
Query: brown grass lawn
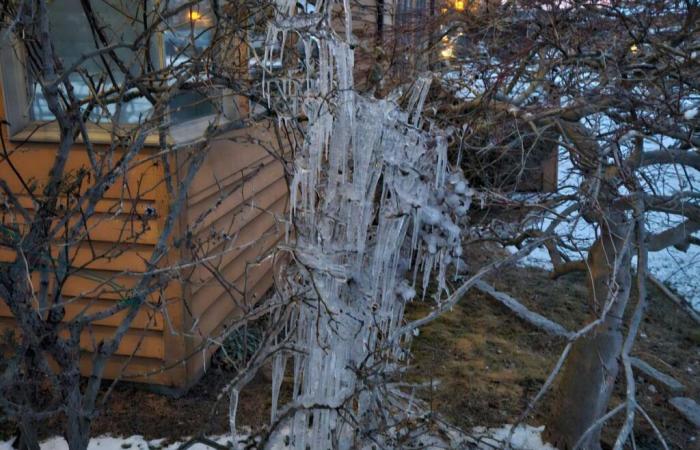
488, 365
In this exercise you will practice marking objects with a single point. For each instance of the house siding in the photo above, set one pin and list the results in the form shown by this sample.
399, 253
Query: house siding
164, 343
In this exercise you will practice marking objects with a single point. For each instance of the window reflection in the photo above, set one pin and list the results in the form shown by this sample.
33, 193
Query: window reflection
185, 39
73, 37
188, 35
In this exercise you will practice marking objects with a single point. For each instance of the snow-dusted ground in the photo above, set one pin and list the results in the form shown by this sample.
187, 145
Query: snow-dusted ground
525, 437
680, 270
120, 443
677, 269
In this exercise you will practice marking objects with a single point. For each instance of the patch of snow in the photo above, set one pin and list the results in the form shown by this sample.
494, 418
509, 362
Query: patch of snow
136, 442
679, 269
690, 114
525, 437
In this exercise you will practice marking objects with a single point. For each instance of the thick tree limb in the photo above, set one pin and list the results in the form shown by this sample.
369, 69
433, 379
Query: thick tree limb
677, 235
684, 157
688, 408
667, 381
673, 205
568, 267
685, 306
531, 317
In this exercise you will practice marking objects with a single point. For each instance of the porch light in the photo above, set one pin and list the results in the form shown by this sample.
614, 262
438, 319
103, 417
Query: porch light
195, 16
459, 5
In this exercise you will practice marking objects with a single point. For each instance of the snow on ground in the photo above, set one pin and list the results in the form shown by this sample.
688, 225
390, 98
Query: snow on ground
678, 269
108, 442
525, 437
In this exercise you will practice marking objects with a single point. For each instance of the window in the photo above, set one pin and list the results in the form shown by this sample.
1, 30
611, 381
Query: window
182, 45
73, 36
187, 36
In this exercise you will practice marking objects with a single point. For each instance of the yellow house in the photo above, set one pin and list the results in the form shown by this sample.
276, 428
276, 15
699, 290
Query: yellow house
234, 210
232, 213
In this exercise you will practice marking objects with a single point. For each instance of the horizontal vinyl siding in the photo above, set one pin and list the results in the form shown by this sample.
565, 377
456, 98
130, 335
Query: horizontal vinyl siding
101, 227
244, 188
34, 161
240, 192
243, 193
143, 343
147, 318
104, 206
243, 225
230, 156
101, 284
212, 185
208, 331
259, 280
99, 256
234, 272
245, 237
119, 217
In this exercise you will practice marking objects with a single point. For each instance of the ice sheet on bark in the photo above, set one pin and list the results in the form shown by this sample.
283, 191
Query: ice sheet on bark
373, 203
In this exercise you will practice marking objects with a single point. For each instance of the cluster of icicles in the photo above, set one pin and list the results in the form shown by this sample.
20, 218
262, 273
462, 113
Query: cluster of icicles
373, 204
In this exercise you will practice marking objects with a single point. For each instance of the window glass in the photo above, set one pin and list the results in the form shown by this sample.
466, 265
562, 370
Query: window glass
185, 40
73, 37
188, 33
187, 37
191, 105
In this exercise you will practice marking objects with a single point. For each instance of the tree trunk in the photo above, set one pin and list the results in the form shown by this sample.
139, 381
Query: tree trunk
78, 416
27, 439
586, 384
78, 431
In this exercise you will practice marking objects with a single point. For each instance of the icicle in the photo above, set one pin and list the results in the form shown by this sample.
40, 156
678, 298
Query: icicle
356, 251
232, 409
417, 99
279, 364
348, 21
